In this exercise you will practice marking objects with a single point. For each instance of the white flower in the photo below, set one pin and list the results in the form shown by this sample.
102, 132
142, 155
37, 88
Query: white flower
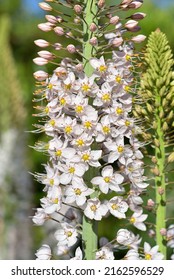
108, 180
77, 192
99, 65
117, 207
152, 253
127, 238
40, 217
95, 210
104, 253
132, 254
137, 220
170, 236
44, 253
78, 254
91, 157
67, 235
70, 170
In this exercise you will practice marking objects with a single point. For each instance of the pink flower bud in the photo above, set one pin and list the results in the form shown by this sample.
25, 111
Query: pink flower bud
160, 191
93, 41
45, 26
131, 24
163, 231
59, 30
125, 2
117, 42
114, 20
151, 233
58, 46
93, 27
138, 16
138, 39
71, 48
101, 3
78, 9
150, 203
44, 6
79, 67
59, 19
77, 20
51, 19
40, 61
40, 75
135, 5
45, 54
41, 43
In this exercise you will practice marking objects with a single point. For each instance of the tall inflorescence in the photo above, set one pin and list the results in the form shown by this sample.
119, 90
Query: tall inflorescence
94, 167
156, 112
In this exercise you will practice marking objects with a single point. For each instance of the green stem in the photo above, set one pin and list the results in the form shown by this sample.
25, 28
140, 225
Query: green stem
89, 231
160, 180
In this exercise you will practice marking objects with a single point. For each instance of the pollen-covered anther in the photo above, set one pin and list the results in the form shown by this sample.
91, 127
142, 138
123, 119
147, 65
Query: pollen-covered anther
114, 206
106, 129
120, 149
85, 157
148, 257
79, 109
68, 129
107, 179
58, 153
77, 191
93, 207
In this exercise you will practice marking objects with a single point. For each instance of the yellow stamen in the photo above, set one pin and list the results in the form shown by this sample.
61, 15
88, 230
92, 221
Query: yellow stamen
68, 129
132, 220
106, 129
127, 123
52, 122
55, 201
106, 97
119, 111
79, 142
85, 157
69, 233
58, 153
102, 68
71, 170
120, 149
51, 182
148, 257
77, 191
88, 124
118, 79
62, 101
93, 208
107, 179
114, 206
79, 109
68, 86
86, 87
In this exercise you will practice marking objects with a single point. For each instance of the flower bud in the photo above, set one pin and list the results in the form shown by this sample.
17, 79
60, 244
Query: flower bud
40, 75
131, 24
163, 231
160, 191
41, 43
93, 41
150, 203
78, 9
135, 5
71, 48
93, 27
79, 67
125, 2
101, 3
138, 39
117, 42
51, 19
44, 6
46, 55
40, 61
58, 46
46, 27
138, 16
114, 20
59, 31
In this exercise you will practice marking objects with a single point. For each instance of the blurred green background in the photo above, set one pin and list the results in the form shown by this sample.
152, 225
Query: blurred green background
19, 192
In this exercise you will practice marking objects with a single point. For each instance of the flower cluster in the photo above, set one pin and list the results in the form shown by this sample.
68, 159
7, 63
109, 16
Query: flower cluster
93, 150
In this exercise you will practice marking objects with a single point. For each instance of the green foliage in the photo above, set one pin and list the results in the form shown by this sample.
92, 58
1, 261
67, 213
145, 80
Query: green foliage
156, 114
